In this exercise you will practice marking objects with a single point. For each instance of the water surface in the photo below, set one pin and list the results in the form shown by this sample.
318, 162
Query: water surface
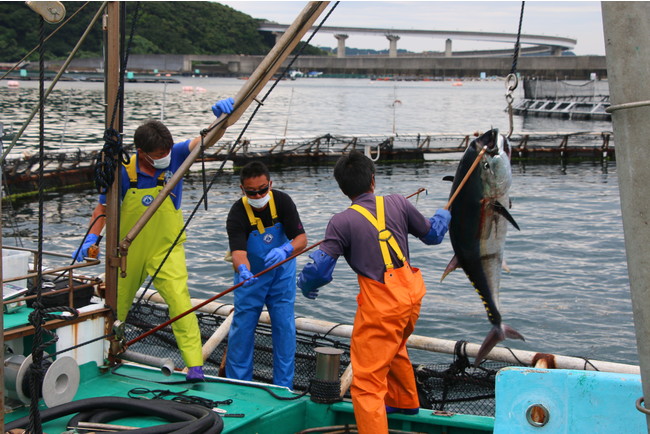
567, 292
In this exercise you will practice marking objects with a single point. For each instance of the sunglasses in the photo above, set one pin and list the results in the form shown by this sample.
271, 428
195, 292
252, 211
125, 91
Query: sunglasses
261, 191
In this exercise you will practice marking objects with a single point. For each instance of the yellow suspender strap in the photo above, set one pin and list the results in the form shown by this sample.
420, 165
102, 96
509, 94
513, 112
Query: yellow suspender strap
385, 237
130, 169
133, 174
256, 221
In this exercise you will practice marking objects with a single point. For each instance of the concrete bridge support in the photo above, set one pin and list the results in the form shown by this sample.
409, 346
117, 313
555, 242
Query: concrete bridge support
340, 50
392, 47
448, 48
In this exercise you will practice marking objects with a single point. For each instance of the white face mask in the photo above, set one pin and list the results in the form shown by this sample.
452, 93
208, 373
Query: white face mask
162, 163
261, 202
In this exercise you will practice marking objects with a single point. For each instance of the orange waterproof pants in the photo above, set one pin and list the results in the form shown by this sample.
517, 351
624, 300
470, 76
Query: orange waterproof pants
382, 371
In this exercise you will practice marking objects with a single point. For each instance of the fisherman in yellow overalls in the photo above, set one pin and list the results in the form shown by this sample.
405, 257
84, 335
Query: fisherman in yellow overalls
372, 236
155, 161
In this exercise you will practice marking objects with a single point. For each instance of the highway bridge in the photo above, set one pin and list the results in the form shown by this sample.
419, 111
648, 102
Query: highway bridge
536, 44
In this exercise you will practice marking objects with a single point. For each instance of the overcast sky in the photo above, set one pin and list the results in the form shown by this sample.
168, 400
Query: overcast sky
580, 20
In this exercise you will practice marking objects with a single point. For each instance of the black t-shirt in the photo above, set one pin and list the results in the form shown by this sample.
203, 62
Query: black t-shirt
238, 226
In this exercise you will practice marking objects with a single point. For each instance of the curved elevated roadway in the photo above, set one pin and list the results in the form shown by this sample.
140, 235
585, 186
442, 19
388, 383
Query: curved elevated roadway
550, 44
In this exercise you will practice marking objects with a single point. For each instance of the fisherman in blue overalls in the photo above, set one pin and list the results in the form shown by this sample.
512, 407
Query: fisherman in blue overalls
264, 228
155, 161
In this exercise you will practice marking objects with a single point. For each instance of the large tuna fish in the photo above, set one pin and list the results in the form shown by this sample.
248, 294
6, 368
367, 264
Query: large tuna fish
479, 220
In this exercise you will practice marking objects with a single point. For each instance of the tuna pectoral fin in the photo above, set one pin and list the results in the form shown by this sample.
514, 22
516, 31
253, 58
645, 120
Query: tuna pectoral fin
453, 264
504, 212
496, 335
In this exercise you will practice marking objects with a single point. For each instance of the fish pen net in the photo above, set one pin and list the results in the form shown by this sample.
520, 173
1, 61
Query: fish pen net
559, 90
455, 387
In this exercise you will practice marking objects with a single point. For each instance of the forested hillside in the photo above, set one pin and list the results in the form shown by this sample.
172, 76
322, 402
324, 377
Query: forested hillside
166, 27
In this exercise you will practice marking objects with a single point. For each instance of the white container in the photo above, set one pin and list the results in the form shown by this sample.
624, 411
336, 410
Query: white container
15, 263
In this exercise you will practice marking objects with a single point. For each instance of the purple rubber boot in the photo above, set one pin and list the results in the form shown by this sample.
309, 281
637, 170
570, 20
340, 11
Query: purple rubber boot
195, 374
390, 410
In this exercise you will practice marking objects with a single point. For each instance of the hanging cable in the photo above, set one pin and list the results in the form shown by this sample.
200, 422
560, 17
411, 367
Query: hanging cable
512, 80
40, 315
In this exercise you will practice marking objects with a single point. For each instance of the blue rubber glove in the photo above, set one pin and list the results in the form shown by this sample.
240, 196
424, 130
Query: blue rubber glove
223, 106
82, 252
439, 225
278, 254
245, 274
316, 274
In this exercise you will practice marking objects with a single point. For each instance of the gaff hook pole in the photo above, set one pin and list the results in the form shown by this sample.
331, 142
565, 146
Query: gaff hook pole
466, 177
229, 290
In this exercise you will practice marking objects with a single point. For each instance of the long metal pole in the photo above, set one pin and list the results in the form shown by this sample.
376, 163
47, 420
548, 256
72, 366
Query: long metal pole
2, 338
626, 28
243, 99
112, 76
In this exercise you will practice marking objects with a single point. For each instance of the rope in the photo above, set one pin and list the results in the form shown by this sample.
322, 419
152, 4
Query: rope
113, 154
40, 314
515, 56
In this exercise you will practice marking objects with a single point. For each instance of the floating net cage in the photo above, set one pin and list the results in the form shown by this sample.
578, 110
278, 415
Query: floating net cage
453, 387
547, 89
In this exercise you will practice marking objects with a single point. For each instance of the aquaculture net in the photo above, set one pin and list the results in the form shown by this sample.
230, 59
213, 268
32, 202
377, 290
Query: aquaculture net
547, 89
455, 387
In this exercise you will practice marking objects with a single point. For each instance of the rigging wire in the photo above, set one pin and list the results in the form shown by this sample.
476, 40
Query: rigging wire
40, 315
512, 80
55, 80
233, 147
45, 40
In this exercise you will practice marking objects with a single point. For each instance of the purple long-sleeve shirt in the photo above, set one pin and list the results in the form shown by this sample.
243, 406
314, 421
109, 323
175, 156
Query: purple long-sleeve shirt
350, 234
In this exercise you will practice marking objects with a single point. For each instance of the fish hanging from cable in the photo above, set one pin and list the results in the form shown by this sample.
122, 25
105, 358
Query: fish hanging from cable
479, 221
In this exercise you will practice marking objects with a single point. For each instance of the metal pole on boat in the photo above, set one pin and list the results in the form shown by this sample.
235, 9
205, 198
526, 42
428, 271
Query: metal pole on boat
2, 339
244, 98
111, 83
626, 28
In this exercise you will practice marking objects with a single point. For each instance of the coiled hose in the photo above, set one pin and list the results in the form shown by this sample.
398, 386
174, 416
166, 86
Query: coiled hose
183, 418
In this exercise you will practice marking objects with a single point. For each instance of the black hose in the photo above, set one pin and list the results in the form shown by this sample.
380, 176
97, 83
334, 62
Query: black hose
184, 418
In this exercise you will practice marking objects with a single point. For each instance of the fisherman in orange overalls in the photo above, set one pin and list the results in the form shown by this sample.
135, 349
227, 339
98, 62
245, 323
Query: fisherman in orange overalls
372, 235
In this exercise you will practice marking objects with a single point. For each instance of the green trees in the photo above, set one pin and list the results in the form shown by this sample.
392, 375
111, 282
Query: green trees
163, 27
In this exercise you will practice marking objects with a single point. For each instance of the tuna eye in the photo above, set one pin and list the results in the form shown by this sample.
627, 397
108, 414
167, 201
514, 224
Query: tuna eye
486, 165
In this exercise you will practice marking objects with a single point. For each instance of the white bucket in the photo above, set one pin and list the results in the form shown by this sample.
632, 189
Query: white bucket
15, 263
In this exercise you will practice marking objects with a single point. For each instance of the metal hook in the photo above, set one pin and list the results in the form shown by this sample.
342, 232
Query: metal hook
511, 84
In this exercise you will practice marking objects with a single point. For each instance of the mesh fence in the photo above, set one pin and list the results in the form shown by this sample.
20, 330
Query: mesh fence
456, 387
541, 89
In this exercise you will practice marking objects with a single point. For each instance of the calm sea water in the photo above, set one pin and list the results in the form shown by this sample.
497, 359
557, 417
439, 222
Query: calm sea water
567, 292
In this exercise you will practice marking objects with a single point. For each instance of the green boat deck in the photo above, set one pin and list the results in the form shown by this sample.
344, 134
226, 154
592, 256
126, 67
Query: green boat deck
256, 410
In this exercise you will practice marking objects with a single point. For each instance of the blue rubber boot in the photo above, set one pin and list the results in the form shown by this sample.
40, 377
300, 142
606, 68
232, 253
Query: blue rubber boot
411, 411
195, 374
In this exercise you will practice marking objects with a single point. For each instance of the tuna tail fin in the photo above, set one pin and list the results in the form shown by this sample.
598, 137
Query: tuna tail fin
497, 334
453, 264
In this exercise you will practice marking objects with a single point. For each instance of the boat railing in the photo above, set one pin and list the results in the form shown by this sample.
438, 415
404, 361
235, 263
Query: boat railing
70, 283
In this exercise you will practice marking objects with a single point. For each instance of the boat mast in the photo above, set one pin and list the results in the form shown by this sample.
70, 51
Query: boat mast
111, 84
626, 28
